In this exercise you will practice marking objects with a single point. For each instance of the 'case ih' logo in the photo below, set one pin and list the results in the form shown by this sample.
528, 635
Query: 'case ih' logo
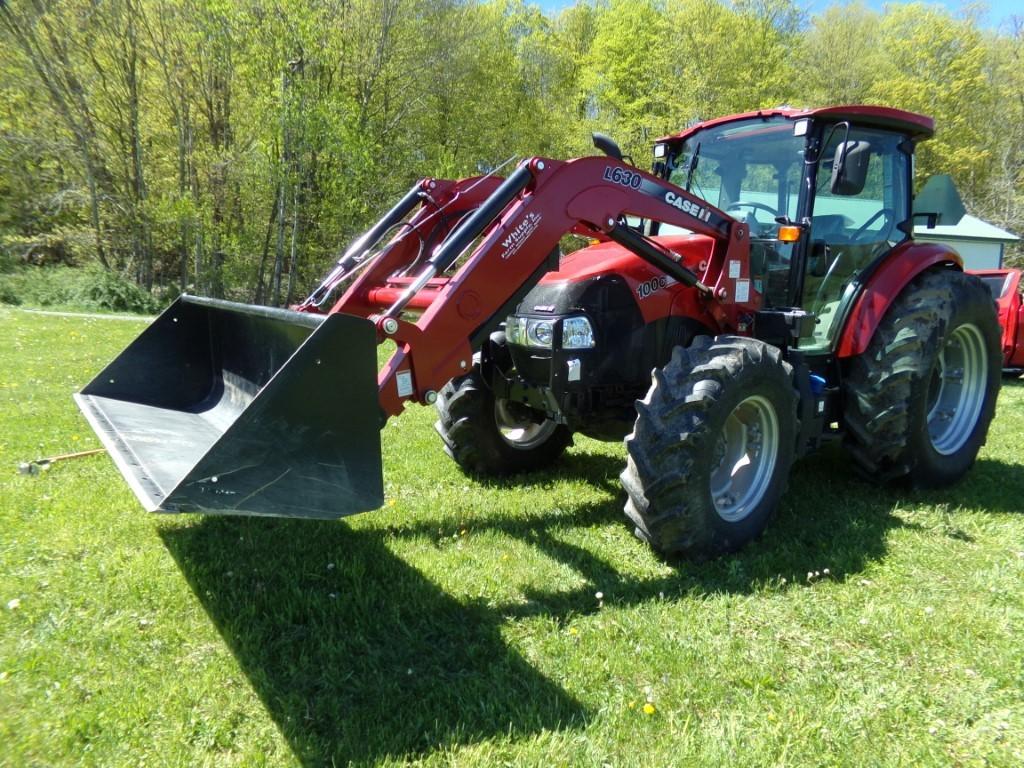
520, 234
684, 205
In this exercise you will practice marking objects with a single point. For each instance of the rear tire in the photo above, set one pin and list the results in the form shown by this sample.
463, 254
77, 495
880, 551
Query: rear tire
920, 399
493, 437
710, 453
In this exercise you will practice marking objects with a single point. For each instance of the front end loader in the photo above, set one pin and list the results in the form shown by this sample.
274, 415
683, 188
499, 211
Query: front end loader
754, 294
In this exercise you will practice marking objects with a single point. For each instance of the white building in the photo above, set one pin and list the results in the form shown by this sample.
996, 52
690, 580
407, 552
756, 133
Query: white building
979, 243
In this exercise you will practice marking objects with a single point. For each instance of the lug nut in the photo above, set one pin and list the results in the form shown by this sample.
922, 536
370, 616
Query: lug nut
430, 397
540, 165
390, 325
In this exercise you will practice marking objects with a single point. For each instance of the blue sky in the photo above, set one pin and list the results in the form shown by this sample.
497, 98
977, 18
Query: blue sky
998, 10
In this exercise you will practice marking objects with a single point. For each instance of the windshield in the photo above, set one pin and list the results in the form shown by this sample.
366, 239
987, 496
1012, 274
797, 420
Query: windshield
750, 169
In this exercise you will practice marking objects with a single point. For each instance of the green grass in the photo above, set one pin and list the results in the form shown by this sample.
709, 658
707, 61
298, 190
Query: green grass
459, 624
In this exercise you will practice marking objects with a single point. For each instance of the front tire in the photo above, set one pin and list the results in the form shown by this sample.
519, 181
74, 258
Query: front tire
710, 453
491, 436
920, 399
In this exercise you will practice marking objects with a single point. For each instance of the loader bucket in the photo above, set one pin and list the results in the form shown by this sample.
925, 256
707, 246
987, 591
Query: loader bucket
235, 409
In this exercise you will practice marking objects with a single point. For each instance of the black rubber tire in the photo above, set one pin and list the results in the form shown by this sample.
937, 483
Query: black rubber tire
468, 426
671, 451
887, 387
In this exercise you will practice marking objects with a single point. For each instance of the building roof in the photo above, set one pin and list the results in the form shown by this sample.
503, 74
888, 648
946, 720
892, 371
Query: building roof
969, 228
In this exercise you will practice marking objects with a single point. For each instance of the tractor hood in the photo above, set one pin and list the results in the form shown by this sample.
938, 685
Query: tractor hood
608, 257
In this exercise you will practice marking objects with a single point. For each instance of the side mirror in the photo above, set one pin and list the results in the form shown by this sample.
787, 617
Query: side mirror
850, 167
607, 145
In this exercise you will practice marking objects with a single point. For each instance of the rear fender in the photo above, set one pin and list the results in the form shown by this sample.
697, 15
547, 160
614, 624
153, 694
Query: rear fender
884, 283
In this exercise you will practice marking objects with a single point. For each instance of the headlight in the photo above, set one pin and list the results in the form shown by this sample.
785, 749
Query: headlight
540, 333
529, 333
577, 333
515, 330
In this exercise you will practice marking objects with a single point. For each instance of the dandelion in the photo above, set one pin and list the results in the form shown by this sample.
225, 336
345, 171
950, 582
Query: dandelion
330, 566
929, 610
599, 595
573, 631
13, 605
649, 709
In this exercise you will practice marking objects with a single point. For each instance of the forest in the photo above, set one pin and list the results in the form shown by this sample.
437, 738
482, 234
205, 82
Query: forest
232, 149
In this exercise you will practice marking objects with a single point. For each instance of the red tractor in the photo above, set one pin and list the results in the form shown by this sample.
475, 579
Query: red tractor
756, 293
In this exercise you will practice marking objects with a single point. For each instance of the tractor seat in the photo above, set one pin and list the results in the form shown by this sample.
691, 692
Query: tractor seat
828, 226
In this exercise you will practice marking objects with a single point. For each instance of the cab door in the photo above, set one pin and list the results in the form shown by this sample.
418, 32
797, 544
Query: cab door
853, 224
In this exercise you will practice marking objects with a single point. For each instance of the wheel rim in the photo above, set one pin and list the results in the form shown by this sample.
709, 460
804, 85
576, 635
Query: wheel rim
744, 459
518, 432
956, 391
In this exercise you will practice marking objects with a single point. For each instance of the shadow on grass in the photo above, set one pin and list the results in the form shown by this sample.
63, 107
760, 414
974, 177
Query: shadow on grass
370, 659
365, 659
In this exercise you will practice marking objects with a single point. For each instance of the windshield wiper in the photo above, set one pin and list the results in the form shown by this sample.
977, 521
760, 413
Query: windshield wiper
691, 166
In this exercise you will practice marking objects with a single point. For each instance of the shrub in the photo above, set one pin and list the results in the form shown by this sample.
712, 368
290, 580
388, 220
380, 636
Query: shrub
88, 288
103, 289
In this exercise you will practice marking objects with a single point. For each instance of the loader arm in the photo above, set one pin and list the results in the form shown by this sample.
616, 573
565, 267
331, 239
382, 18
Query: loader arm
516, 228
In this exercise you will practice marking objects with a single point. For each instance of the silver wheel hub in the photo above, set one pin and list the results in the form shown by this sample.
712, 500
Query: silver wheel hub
744, 459
956, 391
519, 431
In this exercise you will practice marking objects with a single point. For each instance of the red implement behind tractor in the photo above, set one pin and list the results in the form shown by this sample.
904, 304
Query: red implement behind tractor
1006, 290
756, 293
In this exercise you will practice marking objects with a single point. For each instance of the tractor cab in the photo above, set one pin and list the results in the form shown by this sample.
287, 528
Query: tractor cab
825, 193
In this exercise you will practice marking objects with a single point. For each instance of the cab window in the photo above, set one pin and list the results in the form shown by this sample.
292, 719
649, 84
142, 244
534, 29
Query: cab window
850, 228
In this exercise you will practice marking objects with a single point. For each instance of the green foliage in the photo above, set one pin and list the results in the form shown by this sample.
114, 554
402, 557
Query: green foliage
105, 290
92, 288
235, 148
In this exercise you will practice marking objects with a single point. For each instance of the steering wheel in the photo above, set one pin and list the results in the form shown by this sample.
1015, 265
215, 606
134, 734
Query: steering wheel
862, 230
755, 206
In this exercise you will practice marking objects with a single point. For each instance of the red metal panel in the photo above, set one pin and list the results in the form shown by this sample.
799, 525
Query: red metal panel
1016, 356
1011, 314
903, 263
655, 292
919, 126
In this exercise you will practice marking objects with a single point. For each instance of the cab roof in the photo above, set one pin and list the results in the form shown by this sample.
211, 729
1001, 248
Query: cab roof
919, 127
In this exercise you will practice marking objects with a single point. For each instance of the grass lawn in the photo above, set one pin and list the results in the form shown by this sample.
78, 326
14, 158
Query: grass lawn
460, 624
